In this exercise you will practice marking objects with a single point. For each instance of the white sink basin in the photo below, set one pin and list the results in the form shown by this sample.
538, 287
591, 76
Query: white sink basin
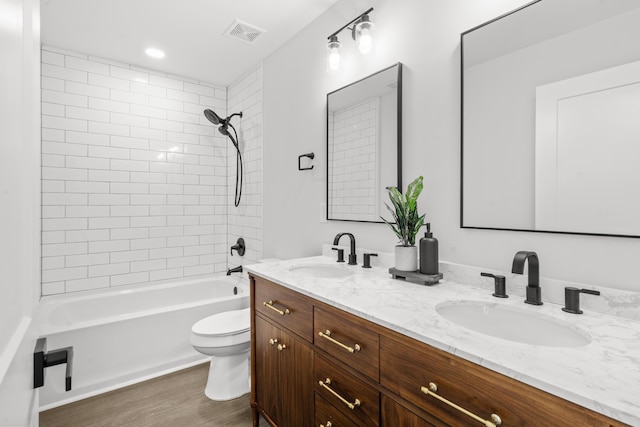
321, 271
513, 324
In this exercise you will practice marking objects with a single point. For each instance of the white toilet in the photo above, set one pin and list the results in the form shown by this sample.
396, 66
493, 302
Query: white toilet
226, 338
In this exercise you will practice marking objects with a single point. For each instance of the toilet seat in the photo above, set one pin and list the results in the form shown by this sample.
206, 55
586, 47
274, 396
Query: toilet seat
232, 322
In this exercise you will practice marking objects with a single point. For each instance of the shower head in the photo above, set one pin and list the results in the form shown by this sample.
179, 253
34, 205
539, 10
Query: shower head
214, 118
223, 128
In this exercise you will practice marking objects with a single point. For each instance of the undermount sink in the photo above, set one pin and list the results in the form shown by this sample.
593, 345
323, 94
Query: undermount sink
513, 324
322, 271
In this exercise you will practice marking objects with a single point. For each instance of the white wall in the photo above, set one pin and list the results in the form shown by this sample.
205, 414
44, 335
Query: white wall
245, 94
425, 37
19, 208
133, 175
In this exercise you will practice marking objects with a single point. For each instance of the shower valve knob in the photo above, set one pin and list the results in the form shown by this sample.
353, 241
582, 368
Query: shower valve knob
240, 247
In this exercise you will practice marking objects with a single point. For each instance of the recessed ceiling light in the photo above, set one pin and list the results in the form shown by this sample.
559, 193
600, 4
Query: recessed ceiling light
154, 53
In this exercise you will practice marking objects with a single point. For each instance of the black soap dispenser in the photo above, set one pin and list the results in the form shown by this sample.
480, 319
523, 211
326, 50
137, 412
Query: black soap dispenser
429, 253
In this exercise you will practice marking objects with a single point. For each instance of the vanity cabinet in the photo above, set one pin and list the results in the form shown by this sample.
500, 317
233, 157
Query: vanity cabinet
336, 369
282, 357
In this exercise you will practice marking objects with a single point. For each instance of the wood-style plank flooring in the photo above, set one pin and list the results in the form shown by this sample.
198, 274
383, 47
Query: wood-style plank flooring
176, 399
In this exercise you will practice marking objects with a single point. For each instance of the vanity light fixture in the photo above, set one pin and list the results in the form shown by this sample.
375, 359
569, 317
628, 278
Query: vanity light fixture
154, 53
360, 32
334, 53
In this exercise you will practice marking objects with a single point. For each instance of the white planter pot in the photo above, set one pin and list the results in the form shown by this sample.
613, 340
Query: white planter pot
406, 258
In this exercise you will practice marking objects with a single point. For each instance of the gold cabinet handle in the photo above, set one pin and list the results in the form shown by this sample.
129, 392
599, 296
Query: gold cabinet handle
281, 347
273, 341
270, 305
433, 388
326, 425
345, 401
327, 334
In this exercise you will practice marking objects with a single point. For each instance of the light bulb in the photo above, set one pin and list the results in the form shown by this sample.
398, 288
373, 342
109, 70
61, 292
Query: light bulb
334, 59
334, 53
365, 42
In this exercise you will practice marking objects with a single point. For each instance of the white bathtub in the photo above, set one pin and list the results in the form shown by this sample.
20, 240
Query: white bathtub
121, 336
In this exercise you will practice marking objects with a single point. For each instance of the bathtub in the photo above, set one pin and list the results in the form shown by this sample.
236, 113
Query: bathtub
125, 335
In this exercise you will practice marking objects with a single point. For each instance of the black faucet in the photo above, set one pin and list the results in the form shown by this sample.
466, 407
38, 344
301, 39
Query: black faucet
237, 269
352, 254
534, 293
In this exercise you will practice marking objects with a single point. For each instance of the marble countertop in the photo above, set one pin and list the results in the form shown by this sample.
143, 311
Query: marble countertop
603, 375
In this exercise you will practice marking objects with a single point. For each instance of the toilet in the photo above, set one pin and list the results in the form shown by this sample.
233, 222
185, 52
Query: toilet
226, 338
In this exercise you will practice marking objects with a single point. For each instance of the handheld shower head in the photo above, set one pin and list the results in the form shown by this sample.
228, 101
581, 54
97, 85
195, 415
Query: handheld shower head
214, 118
223, 128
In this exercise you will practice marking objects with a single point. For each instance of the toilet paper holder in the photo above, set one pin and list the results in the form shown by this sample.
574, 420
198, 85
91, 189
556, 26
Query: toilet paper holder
44, 359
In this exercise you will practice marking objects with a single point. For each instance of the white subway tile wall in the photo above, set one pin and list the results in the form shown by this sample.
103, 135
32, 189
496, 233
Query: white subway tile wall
354, 158
245, 221
134, 178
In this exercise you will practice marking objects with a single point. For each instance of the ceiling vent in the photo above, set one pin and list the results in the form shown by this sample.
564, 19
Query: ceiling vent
242, 31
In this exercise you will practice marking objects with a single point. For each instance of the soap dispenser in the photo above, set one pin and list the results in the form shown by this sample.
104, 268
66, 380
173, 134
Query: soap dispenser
429, 253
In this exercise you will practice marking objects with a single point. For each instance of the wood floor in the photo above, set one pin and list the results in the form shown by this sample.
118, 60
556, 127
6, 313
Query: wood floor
176, 399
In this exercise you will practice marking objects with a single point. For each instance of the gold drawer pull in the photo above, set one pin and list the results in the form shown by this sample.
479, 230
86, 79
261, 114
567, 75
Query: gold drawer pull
433, 388
327, 425
345, 401
327, 334
281, 347
270, 305
273, 341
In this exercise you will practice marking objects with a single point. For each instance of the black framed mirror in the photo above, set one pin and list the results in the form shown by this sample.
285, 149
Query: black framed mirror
364, 145
550, 129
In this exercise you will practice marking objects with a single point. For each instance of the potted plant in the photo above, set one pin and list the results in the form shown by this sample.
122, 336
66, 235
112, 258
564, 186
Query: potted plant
406, 224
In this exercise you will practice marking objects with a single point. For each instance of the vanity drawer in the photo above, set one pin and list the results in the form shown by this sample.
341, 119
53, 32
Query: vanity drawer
348, 339
328, 416
288, 308
407, 365
358, 401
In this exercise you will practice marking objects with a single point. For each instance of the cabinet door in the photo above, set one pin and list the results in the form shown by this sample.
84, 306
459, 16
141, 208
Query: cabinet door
296, 379
393, 415
267, 360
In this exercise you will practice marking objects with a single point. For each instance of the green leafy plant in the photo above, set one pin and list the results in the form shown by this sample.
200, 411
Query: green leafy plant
407, 222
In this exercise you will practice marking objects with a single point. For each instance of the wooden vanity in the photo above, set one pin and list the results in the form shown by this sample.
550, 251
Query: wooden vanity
315, 365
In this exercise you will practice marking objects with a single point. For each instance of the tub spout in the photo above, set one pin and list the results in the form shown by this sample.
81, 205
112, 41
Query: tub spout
237, 269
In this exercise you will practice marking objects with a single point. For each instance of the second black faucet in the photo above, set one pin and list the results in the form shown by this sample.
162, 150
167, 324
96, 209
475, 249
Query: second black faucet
352, 252
534, 293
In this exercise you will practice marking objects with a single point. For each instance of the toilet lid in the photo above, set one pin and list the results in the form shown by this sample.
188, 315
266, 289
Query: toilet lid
225, 323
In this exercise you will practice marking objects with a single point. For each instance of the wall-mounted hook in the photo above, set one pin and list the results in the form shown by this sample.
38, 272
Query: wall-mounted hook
309, 155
